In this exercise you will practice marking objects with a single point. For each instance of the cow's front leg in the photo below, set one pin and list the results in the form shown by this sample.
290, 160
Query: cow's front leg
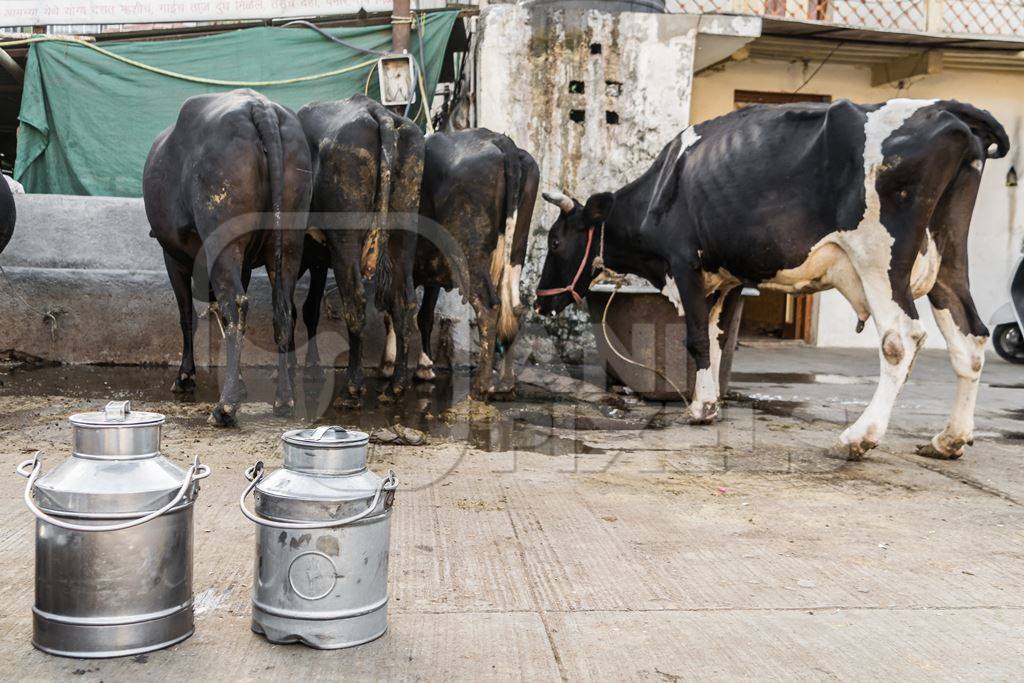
311, 311
181, 282
425, 323
901, 339
967, 355
689, 280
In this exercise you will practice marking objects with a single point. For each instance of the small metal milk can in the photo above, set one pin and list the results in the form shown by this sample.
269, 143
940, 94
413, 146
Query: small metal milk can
321, 572
113, 539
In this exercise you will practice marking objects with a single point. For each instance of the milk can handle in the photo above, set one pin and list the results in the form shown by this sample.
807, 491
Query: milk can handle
255, 474
33, 468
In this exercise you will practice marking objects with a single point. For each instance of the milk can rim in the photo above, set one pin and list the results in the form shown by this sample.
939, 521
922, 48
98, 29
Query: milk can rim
302, 437
97, 419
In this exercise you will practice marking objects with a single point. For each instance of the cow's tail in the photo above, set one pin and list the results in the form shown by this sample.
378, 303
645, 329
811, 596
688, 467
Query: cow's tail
983, 125
375, 260
265, 119
504, 277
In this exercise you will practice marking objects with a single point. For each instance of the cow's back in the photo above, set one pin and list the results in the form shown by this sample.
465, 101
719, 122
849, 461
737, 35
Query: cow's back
344, 143
463, 168
762, 185
213, 136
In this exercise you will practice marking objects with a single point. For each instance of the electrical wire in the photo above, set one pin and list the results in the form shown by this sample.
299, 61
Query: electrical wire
823, 63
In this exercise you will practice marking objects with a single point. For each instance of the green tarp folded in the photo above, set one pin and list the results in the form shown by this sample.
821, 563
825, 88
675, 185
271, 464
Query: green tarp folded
88, 120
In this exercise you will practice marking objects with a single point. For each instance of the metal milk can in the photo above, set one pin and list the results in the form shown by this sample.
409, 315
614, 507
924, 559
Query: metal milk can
113, 539
324, 522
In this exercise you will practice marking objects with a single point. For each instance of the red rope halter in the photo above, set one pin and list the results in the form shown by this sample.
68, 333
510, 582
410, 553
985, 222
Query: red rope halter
571, 287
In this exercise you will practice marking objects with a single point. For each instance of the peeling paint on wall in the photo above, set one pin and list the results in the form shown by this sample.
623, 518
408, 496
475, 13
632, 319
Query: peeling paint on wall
593, 96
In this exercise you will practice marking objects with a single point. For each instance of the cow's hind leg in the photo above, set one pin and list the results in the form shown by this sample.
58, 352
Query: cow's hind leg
181, 282
226, 280
387, 356
353, 312
717, 335
507, 374
485, 303
425, 323
958, 320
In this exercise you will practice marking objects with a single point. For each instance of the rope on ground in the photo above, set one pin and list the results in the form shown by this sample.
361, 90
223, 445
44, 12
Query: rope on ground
187, 77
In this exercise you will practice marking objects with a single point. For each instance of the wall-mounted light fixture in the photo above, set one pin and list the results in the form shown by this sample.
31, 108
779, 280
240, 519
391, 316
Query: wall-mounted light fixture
1011, 177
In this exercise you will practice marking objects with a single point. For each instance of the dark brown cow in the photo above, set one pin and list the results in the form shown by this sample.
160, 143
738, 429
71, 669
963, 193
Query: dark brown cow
226, 190
479, 190
367, 166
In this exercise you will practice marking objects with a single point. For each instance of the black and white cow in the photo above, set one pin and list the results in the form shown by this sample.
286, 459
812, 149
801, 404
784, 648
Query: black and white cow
226, 190
367, 171
873, 200
478, 195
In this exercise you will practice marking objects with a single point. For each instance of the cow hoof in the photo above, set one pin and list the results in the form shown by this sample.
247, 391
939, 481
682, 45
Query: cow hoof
387, 369
348, 402
704, 414
284, 408
391, 393
355, 390
223, 415
855, 450
503, 392
939, 450
424, 373
184, 384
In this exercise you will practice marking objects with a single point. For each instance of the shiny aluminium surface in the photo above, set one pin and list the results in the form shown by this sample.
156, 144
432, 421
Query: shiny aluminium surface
322, 543
113, 540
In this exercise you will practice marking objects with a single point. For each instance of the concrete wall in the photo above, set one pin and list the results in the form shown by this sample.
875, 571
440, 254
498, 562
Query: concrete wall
525, 61
86, 284
997, 230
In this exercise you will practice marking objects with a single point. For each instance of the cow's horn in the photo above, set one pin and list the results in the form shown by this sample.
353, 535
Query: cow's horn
559, 200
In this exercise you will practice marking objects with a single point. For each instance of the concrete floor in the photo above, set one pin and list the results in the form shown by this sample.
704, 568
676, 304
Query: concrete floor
746, 550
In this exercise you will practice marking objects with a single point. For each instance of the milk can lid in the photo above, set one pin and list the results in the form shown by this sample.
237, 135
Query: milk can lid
332, 436
117, 414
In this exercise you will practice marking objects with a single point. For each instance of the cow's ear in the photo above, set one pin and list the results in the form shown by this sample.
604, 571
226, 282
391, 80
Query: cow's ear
597, 209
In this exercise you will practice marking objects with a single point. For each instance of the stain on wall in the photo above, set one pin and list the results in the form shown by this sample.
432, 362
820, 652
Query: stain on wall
593, 96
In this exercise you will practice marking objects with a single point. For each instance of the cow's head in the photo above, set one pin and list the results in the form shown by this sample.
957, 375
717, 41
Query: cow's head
572, 248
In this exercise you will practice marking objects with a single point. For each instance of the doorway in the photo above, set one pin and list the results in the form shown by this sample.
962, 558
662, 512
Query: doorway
777, 315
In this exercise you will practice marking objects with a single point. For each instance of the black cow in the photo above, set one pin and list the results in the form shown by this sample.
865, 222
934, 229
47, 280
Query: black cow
227, 189
873, 200
479, 191
367, 170
8, 213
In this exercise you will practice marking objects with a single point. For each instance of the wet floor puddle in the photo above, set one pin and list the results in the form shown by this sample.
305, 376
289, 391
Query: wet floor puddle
529, 427
797, 378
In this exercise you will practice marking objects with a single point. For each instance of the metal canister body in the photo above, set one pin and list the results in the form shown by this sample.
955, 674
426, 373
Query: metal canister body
321, 569
113, 540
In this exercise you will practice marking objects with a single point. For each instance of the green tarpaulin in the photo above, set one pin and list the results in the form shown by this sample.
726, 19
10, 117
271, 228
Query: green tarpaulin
88, 120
